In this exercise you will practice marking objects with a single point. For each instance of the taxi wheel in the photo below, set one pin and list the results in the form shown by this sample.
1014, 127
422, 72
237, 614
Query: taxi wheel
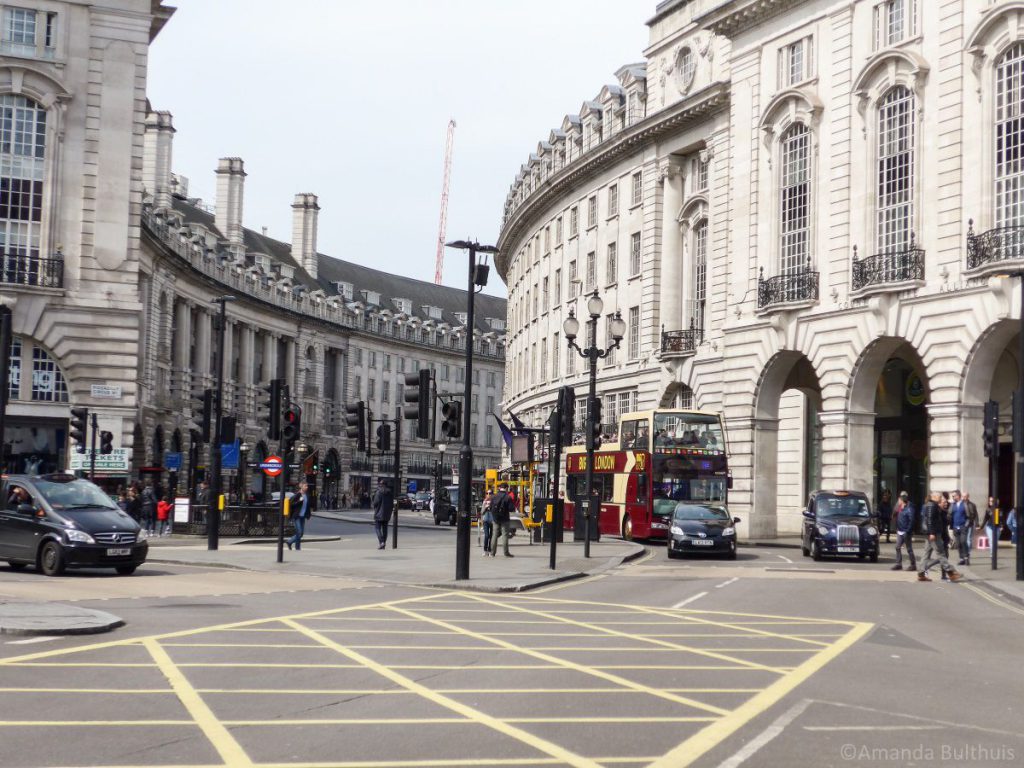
816, 551
51, 559
126, 570
874, 557
627, 529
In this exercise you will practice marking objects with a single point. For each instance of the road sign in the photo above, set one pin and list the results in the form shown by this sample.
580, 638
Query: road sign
272, 466
411, 488
172, 461
229, 455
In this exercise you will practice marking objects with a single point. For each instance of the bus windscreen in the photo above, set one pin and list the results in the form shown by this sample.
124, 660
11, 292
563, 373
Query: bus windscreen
688, 431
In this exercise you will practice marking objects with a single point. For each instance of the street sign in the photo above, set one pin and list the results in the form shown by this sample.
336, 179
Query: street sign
116, 463
411, 488
172, 461
272, 466
229, 455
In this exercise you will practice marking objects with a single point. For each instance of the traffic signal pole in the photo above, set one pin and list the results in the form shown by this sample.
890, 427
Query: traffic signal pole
92, 458
398, 473
554, 464
462, 533
213, 508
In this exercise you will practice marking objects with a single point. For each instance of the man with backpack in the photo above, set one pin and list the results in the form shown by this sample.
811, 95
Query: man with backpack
501, 510
906, 521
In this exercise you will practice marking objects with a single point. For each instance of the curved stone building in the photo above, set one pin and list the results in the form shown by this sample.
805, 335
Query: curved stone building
807, 212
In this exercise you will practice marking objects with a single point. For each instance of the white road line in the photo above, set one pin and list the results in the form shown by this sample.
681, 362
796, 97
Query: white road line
689, 600
836, 728
785, 558
33, 640
727, 583
766, 735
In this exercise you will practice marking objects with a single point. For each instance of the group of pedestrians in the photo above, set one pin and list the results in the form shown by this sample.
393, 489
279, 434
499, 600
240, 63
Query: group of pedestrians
496, 516
148, 506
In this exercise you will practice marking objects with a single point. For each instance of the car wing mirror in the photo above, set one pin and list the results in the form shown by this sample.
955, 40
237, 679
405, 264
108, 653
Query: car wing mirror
808, 513
736, 520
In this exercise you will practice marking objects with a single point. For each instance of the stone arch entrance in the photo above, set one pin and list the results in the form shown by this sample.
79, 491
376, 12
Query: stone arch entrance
889, 424
787, 443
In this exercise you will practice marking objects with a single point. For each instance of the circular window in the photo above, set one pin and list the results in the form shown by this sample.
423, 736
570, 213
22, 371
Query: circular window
686, 68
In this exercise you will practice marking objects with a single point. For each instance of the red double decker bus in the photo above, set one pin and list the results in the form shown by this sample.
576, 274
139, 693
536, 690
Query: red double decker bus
657, 459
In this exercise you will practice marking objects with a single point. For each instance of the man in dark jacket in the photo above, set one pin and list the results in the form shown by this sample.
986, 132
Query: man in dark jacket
300, 508
148, 508
501, 510
934, 553
906, 521
383, 505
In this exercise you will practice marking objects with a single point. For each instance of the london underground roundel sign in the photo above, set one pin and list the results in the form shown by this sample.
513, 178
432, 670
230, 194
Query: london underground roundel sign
272, 466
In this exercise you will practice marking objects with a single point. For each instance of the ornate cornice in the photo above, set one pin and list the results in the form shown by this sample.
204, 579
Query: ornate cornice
732, 17
699, 106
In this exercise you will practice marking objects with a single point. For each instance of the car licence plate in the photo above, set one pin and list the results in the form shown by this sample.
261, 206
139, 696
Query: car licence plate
119, 551
702, 542
847, 549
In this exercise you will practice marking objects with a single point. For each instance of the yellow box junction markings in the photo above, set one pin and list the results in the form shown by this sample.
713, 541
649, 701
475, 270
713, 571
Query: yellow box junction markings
716, 723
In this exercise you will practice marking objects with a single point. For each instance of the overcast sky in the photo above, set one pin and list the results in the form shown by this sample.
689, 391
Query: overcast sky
351, 100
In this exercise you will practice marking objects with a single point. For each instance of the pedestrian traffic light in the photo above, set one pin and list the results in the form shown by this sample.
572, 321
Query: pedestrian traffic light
1018, 423
384, 438
202, 414
594, 424
417, 392
271, 405
451, 427
291, 427
567, 413
355, 419
990, 435
106, 442
79, 428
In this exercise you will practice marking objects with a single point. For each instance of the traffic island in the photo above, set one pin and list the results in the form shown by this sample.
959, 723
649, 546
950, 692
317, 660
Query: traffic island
54, 619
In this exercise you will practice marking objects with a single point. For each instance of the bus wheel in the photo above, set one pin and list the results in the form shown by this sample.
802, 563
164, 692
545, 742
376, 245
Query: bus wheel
627, 528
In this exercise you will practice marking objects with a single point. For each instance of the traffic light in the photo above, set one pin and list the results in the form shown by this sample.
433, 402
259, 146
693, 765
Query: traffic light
106, 442
1018, 423
355, 419
79, 427
272, 404
202, 414
567, 412
417, 392
594, 424
990, 435
291, 428
451, 427
384, 438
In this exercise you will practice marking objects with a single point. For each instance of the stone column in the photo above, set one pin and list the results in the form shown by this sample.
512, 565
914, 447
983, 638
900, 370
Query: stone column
848, 450
183, 335
204, 330
245, 361
339, 378
269, 356
764, 514
672, 250
944, 430
290, 368
228, 337
974, 465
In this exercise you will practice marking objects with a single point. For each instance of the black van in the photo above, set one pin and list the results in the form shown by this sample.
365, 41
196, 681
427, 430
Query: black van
59, 521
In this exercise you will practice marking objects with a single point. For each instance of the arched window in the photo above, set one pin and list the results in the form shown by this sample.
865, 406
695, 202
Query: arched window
1009, 155
895, 170
47, 380
795, 194
700, 273
22, 146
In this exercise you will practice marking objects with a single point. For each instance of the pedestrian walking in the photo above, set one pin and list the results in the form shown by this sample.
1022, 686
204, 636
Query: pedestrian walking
934, 553
383, 505
134, 505
906, 522
962, 526
501, 510
163, 515
972, 514
148, 508
1011, 523
300, 508
988, 522
487, 520
885, 513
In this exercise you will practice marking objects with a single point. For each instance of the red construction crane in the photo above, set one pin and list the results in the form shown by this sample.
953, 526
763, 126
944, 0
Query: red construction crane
444, 201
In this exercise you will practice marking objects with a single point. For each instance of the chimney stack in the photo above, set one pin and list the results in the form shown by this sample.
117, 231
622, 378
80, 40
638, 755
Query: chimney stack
305, 212
156, 157
230, 188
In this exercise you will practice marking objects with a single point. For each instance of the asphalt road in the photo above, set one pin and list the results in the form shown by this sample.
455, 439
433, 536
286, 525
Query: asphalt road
770, 660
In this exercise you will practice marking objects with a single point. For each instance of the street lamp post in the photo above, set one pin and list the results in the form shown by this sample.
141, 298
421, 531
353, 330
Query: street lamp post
243, 457
213, 511
593, 353
477, 278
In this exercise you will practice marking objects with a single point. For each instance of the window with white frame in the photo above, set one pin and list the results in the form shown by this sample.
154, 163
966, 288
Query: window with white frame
613, 200
26, 32
633, 346
547, 296
591, 271
555, 370
612, 350
536, 299
700, 273
700, 174
570, 364
558, 231
22, 146
543, 358
371, 388
894, 22
547, 239
14, 370
634, 254
385, 392
612, 263
683, 398
558, 287
895, 169
638, 187
686, 68
573, 277
357, 387
796, 62
592, 211
1009, 149
574, 221
580, 415
795, 199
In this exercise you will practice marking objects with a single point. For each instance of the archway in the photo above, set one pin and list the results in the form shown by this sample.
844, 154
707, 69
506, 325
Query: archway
787, 444
889, 425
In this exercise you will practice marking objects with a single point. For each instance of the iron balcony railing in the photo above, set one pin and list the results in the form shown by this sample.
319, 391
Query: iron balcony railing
894, 266
682, 342
37, 271
995, 245
364, 465
789, 287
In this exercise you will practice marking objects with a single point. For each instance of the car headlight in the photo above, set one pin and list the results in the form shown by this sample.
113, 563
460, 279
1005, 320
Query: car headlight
823, 530
677, 530
872, 531
728, 531
142, 535
79, 537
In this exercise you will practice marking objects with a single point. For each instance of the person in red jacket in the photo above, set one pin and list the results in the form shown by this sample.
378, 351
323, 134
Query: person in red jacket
163, 516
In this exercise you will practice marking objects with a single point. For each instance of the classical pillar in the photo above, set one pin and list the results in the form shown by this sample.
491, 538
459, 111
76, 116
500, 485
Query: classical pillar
204, 330
944, 430
974, 465
290, 367
848, 450
764, 513
339, 379
672, 249
228, 337
247, 353
269, 371
182, 335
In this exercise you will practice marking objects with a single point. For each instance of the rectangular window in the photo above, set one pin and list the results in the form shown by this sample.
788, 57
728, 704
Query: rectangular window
795, 199
546, 295
488, 435
700, 174
19, 31
638, 187
492, 379
385, 392
490, 403
536, 299
570, 365
372, 357
591, 271
543, 359
476, 403
558, 287
796, 62
894, 22
613, 199
357, 387
592, 212
444, 372
547, 239
555, 370
895, 170
387, 362
14, 370
50, 39
558, 231
700, 279
634, 254
612, 263
574, 221
610, 359
581, 414
633, 346
573, 277
371, 388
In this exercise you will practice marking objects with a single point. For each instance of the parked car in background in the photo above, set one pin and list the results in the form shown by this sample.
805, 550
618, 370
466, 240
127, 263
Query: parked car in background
421, 501
839, 523
446, 505
403, 501
59, 521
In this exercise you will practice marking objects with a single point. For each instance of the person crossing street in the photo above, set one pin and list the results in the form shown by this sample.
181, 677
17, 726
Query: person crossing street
934, 553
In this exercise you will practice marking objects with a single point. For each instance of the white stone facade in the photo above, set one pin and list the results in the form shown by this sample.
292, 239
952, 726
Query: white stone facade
809, 172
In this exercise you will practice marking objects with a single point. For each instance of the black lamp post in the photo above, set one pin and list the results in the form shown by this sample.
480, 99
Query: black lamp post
593, 353
213, 510
477, 278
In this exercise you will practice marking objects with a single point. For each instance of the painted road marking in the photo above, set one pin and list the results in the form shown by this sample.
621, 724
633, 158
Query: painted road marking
767, 735
993, 599
691, 599
34, 640
733, 580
